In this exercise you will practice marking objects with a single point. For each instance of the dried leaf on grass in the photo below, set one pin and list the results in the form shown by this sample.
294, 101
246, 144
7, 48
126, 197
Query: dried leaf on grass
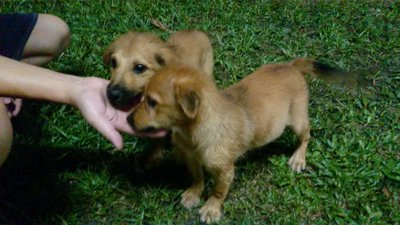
159, 24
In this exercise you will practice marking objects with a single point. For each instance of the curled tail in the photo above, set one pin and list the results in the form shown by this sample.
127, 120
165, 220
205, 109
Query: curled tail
313, 67
326, 72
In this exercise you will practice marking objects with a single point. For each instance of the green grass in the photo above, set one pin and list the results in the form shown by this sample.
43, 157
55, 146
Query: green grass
61, 171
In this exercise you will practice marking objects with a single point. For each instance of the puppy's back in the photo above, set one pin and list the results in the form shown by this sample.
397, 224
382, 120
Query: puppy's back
194, 49
267, 95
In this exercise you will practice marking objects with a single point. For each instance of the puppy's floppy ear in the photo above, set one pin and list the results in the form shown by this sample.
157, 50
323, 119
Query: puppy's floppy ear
160, 59
107, 53
187, 99
165, 56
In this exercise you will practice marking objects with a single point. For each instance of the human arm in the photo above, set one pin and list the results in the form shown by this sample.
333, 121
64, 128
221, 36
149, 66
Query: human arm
86, 93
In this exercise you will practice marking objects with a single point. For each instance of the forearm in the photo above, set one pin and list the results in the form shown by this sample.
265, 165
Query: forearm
88, 94
26, 81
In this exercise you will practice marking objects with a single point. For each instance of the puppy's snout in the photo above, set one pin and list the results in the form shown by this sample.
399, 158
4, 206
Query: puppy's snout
131, 122
149, 129
114, 93
122, 98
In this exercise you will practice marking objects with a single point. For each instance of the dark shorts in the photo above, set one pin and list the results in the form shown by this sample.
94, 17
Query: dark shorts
15, 30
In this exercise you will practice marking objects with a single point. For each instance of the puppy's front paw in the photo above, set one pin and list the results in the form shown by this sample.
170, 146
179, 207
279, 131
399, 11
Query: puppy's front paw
154, 159
297, 163
210, 213
190, 198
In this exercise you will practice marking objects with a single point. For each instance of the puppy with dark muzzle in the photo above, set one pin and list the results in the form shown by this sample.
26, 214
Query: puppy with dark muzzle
212, 128
135, 57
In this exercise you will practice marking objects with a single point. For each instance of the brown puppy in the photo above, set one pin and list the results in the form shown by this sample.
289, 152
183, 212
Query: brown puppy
211, 129
135, 57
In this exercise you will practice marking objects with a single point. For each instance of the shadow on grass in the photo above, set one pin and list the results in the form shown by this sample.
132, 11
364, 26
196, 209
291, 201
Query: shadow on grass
263, 153
31, 190
173, 174
29, 186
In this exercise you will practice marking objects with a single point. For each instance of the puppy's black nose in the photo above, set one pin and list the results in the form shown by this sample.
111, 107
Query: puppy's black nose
114, 93
122, 98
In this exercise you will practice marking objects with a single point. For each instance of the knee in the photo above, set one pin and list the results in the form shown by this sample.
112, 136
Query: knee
57, 33
6, 134
61, 35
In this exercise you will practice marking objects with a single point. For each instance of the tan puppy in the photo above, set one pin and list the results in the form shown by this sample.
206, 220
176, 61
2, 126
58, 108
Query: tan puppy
135, 57
212, 129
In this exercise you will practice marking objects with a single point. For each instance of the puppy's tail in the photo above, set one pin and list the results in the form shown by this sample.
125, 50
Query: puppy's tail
326, 72
313, 67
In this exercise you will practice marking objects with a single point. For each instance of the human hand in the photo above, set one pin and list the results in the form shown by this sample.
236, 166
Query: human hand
91, 99
13, 105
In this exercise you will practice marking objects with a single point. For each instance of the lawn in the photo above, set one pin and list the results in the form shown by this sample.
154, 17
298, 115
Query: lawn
61, 171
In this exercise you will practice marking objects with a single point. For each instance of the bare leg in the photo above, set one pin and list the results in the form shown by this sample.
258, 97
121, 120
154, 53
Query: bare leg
6, 134
48, 39
211, 211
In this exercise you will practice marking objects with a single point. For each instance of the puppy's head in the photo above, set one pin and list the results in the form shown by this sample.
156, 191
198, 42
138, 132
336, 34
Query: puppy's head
134, 58
171, 100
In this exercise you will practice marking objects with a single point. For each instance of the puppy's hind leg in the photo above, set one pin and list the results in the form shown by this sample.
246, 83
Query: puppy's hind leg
301, 127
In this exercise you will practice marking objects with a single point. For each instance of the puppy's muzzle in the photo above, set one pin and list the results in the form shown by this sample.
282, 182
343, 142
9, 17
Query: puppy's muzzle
122, 98
147, 129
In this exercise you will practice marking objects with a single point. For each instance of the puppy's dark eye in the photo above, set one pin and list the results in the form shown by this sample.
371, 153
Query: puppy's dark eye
139, 68
113, 63
151, 102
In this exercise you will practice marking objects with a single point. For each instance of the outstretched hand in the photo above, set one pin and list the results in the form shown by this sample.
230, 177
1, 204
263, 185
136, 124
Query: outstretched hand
94, 106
